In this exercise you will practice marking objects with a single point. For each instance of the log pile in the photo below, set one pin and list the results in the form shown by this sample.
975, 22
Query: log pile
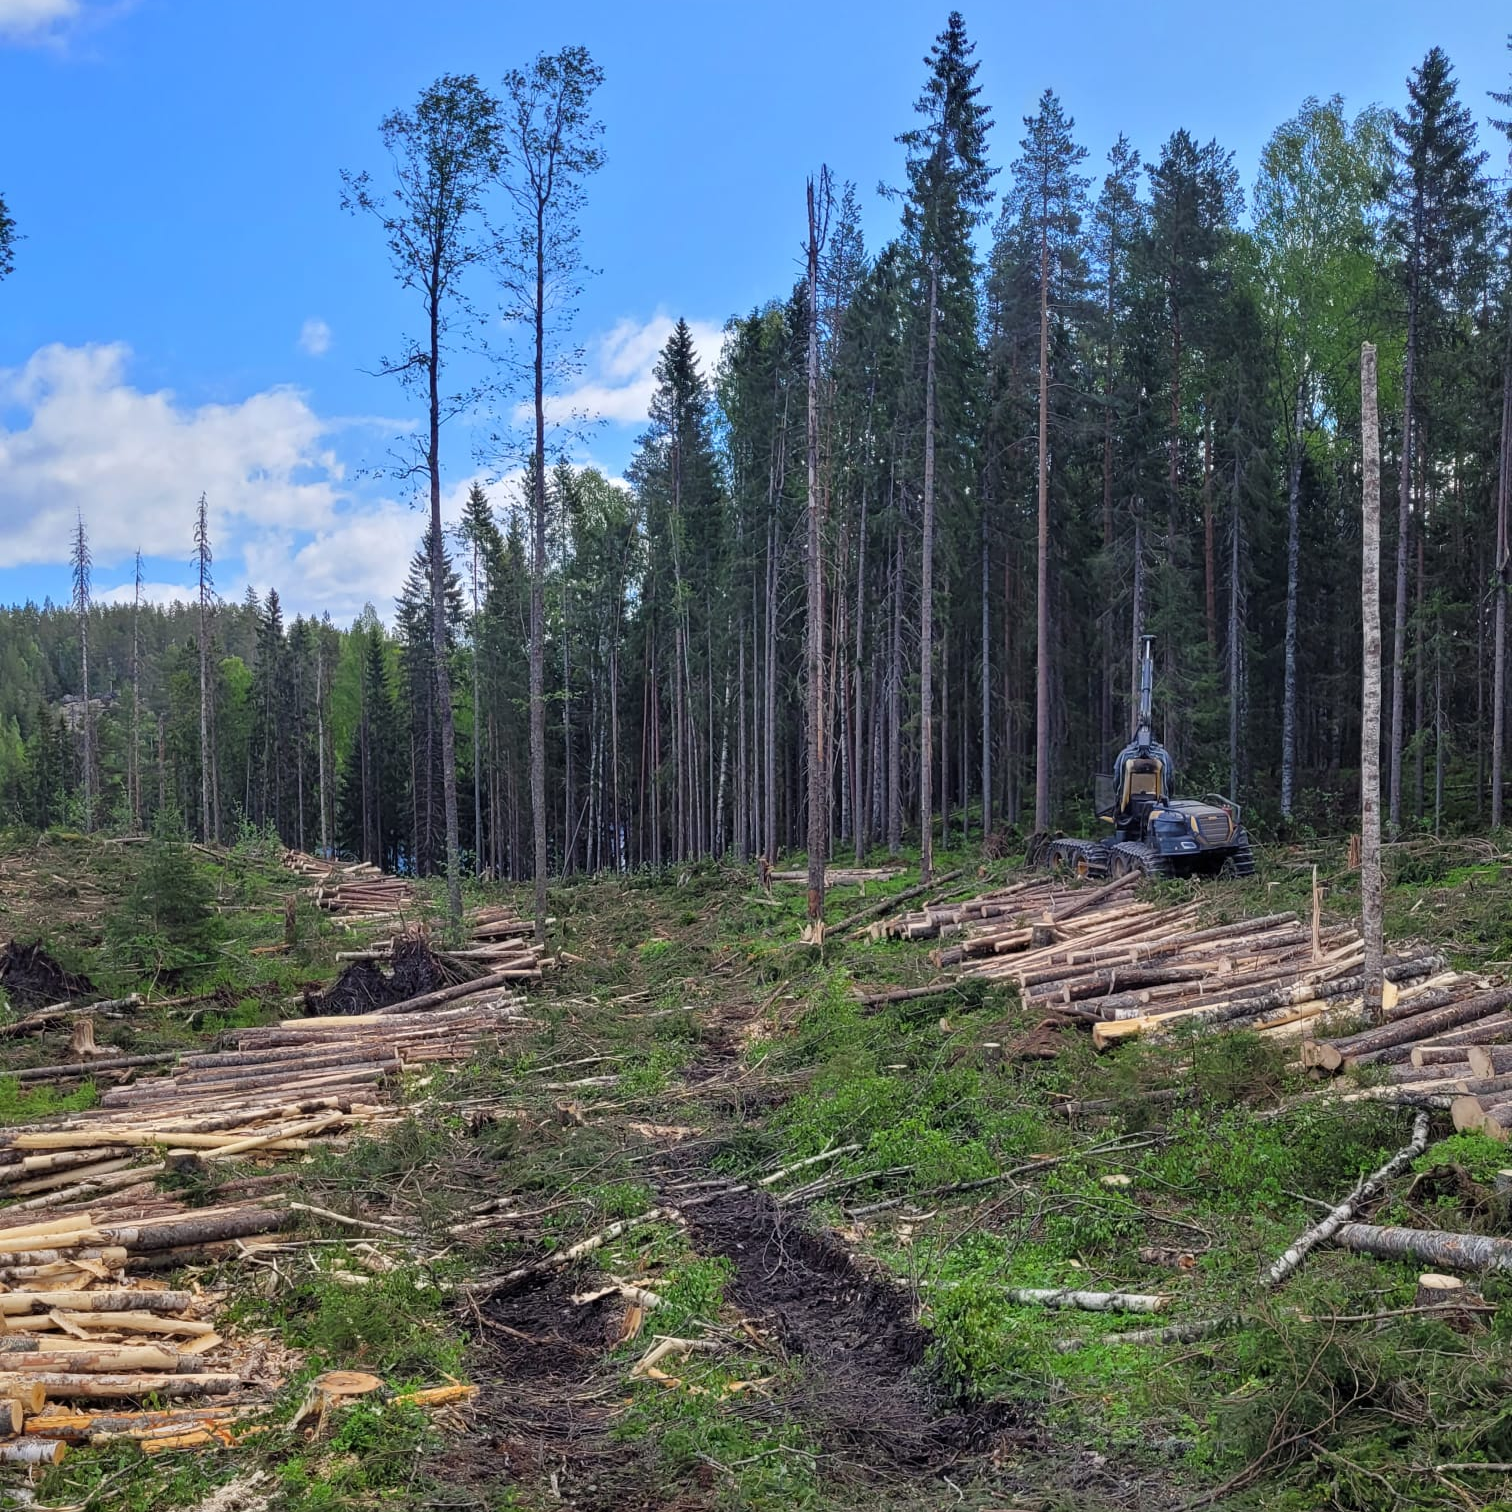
1130, 967
1445, 1049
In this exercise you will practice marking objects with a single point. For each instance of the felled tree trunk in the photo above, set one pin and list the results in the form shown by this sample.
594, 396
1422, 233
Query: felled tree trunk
1469, 1252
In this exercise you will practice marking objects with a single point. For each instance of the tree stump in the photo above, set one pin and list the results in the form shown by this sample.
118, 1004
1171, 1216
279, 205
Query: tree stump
1434, 1290
333, 1389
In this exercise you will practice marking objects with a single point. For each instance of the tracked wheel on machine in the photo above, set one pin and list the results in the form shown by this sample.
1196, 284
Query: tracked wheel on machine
1241, 862
1078, 858
1135, 856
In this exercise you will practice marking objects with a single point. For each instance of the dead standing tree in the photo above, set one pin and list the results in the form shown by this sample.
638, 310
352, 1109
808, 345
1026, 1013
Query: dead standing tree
551, 139
818, 764
81, 563
205, 600
1370, 704
445, 153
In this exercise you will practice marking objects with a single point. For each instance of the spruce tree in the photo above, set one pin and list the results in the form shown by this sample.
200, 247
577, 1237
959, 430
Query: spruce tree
1437, 216
1048, 197
949, 189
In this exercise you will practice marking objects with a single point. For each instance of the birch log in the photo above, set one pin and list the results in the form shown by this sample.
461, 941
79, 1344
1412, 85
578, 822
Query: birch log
1326, 1227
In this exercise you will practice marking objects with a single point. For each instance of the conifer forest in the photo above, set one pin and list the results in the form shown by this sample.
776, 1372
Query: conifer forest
665, 1013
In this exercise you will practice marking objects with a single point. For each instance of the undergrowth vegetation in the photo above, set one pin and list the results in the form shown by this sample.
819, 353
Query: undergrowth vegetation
954, 1144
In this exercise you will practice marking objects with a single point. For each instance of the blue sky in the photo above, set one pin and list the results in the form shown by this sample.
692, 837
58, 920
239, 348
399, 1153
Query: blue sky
192, 310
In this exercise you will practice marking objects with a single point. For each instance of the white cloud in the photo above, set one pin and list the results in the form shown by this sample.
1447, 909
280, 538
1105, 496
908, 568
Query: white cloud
134, 463
29, 19
152, 593
314, 334
619, 380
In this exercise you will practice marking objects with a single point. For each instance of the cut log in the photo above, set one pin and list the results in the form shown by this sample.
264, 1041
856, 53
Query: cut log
134, 1322
1447, 1251
66, 1386
1367, 1187
1489, 1060
1036, 1296
14, 1303
1427, 1025
33, 1451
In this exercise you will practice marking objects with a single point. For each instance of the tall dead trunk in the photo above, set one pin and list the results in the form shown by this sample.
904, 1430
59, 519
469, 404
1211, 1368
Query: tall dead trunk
442, 669
477, 723
895, 707
135, 770
1370, 701
1499, 656
1137, 610
818, 766
1209, 556
1293, 553
986, 677
1042, 555
1404, 532
205, 590
538, 589
320, 742
860, 817
1419, 635
926, 596
1235, 632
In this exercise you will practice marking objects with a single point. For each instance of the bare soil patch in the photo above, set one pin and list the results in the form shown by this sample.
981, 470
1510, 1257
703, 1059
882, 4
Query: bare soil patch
868, 1390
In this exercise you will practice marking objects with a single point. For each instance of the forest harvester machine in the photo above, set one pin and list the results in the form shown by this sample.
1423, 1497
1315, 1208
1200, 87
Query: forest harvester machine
1153, 831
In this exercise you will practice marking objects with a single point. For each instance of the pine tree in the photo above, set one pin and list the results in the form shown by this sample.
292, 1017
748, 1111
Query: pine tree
445, 154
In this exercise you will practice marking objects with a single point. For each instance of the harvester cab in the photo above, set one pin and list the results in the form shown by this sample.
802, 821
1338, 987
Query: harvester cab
1153, 831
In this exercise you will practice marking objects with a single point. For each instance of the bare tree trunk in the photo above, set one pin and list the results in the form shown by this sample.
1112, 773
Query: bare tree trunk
770, 732
1404, 532
1042, 558
202, 557
1419, 658
1209, 557
538, 593
320, 741
477, 724
860, 815
1499, 659
1370, 702
1293, 553
1235, 631
442, 670
135, 770
818, 766
986, 678
1137, 610
926, 596
895, 708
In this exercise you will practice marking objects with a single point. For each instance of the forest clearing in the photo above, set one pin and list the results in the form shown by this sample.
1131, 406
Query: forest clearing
688, 1213
886, 886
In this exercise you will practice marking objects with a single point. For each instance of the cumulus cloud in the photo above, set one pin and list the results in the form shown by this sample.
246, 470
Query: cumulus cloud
314, 334
133, 463
27, 20
619, 379
152, 593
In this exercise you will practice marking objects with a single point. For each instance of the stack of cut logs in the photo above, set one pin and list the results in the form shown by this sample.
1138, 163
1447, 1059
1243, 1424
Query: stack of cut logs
277, 1089
1133, 968
1445, 1049
1020, 900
